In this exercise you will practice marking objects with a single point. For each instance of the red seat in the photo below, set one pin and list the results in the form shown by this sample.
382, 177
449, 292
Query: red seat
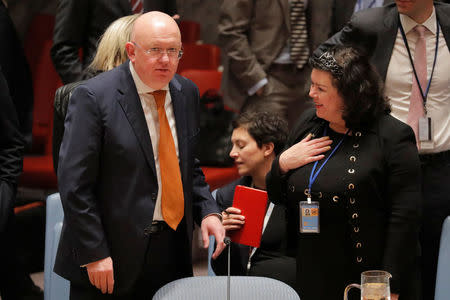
217, 177
204, 79
38, 168
205, 57
190, 31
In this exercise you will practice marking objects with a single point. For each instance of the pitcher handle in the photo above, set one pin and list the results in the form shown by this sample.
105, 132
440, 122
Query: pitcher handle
348, 287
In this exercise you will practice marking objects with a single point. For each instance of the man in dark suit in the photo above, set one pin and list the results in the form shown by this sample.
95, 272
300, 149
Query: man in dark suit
17, 74
377, 31
130, 185
15, 283
79, 25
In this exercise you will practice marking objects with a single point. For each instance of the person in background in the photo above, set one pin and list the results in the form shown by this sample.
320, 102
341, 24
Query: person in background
111, 53
17, 74
15, 283
257, 139
363, 194
80, 23
266, 45
414, 33
130, 185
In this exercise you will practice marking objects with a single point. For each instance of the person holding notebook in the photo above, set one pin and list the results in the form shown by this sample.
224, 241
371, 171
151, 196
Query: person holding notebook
257, 138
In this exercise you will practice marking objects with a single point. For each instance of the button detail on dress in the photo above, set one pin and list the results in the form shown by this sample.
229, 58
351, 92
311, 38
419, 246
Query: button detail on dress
352, 158
336, 199
351, 186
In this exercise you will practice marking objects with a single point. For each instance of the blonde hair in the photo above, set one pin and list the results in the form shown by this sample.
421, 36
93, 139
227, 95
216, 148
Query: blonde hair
111, 50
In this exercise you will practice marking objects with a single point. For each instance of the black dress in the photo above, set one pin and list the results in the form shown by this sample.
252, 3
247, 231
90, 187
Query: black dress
369, 197
271, 259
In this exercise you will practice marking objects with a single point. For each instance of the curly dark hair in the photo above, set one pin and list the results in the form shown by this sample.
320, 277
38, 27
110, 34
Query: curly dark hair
265, 128
357, 82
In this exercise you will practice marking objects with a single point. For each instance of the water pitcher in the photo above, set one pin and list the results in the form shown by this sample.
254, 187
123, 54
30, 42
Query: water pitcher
374, 286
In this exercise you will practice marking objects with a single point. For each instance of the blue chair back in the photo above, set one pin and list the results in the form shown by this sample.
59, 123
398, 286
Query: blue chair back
442, 291
212, 240
55, 287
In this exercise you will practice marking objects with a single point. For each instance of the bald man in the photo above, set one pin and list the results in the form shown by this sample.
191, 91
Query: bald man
119, 239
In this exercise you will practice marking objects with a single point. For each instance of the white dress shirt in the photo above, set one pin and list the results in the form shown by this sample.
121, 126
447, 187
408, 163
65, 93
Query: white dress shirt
400, 75
151, 117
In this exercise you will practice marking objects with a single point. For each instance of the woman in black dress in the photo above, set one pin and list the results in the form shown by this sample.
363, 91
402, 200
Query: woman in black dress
366, 186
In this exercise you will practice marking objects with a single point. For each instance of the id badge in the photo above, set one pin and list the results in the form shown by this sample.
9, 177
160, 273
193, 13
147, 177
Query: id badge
309, 217
424, 129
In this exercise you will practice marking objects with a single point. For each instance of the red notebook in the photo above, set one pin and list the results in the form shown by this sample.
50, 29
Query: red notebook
253, 204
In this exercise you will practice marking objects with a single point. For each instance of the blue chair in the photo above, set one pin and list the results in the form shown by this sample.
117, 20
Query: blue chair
212, 241
442, 291
55, 287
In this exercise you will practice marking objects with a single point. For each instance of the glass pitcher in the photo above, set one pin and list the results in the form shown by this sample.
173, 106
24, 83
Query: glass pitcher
374, 286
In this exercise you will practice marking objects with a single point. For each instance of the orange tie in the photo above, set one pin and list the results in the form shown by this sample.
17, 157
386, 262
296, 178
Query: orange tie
172, 199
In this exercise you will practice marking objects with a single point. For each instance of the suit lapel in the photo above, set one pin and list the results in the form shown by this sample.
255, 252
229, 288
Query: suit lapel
179, 110
128, 99
443, 19
386, 40
286, 15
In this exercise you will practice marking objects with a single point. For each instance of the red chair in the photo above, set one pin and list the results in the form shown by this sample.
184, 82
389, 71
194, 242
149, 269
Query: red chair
204, 79
205, 57
38, 168
190, 31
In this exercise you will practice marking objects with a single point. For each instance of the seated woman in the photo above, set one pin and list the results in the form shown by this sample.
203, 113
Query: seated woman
257, 138
111, 53
366, 188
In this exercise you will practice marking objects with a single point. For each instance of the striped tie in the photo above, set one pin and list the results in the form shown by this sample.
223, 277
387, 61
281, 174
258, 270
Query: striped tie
137, 6
299, 34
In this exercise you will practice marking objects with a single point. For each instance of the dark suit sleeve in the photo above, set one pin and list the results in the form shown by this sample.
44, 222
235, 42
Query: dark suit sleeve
11, 152
166, 6
77, 176
68, 37
17, 74
404, 195
355, 33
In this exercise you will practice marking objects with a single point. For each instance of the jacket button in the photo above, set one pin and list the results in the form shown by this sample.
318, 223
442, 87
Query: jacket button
352, 158
354, 216
351, 186
352, 200
336, 199
359, 259
358, 245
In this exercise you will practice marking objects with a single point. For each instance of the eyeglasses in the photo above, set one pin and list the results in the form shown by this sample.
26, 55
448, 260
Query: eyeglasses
156, 52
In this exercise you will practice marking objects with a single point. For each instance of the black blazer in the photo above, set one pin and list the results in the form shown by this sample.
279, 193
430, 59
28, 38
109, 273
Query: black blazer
80, 23
17, 73
370, 197
11, 153
374, 30
107, 177
271, 258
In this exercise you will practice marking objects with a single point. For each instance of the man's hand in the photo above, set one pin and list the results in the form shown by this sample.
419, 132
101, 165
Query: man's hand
394, 296
101, 274
211, 225
304, 152
232, 219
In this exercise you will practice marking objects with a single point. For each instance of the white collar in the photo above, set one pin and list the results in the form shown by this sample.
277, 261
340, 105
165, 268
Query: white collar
408, 23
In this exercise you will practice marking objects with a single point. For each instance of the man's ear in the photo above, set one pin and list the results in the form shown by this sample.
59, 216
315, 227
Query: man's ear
129, 46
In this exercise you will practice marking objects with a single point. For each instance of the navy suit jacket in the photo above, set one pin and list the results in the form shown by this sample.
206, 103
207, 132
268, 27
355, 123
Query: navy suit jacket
107, 177
374, 30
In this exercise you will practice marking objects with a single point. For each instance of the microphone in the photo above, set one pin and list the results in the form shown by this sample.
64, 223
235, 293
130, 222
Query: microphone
227, 242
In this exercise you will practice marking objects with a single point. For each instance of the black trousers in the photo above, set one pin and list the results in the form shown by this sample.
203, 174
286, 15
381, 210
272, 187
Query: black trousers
168, 258
436, 207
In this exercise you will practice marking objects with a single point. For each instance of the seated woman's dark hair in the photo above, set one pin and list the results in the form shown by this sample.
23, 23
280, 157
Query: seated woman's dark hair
357, 83
264, 128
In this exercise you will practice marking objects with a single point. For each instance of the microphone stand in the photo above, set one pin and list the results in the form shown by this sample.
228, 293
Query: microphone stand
227, 242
